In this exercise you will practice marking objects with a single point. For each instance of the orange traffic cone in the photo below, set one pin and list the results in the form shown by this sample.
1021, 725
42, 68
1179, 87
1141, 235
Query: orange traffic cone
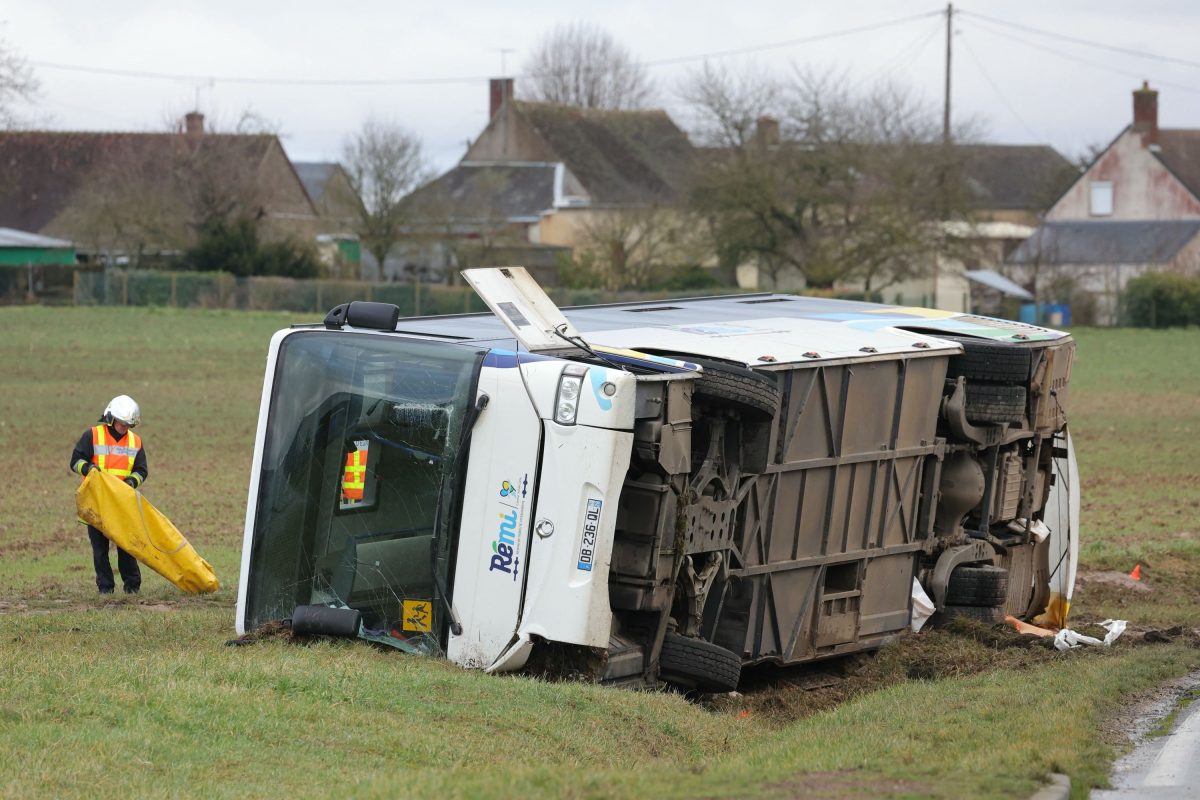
1137, 572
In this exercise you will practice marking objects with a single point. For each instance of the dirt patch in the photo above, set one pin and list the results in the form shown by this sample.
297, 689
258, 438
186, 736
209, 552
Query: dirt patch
158, 606
58, 541
1141, 712
965, 647
281, 631
16, 607
41, 605
278, 630
1093, 579
557, 662
845, 785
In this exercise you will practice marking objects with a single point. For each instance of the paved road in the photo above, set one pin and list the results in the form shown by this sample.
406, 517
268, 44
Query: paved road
1162, 767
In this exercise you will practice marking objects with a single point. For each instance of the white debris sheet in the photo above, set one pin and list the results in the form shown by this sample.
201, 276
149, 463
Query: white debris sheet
922, 606
1066, 638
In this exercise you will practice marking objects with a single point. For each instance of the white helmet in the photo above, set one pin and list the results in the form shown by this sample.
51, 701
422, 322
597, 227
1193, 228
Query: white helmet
123, 408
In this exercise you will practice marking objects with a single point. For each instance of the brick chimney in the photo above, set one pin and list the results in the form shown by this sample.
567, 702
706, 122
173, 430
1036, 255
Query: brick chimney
1145, 113
193, 124
501, 91
766, 132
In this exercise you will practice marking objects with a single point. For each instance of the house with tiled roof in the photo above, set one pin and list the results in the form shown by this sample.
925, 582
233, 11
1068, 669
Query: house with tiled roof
339, 214
1135, 209
549, 179
120, 196
1013, 183
1006, 190
331, 192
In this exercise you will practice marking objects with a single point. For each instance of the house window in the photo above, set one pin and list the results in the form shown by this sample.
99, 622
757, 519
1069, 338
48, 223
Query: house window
1102, 199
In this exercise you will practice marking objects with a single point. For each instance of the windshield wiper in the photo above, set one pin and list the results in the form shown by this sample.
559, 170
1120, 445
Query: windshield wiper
469, 421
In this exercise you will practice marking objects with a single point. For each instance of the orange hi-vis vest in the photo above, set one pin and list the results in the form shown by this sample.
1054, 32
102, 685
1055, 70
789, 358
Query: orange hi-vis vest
114, 456
354, 479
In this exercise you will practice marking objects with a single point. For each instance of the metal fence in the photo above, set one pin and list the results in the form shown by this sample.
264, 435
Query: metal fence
223, 290
36, 283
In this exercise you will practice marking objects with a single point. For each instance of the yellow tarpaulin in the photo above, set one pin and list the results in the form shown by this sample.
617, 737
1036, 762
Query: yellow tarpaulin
132, 524
1055, 614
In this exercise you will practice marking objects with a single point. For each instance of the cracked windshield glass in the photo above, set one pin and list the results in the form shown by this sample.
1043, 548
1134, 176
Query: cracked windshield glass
360, 451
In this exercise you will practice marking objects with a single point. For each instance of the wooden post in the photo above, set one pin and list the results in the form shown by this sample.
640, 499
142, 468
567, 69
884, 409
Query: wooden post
125, 287
173, 296
416, 296
75, 286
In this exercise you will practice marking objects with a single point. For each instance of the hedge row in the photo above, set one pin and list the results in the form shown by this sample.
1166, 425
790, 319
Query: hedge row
1162, 300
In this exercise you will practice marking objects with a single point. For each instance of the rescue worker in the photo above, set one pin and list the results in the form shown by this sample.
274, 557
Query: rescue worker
113, 448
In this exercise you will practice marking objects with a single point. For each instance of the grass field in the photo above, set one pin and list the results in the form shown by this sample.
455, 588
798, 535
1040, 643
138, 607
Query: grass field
142, 697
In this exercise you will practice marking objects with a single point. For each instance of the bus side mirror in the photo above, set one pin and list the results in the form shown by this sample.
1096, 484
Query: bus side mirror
363, 314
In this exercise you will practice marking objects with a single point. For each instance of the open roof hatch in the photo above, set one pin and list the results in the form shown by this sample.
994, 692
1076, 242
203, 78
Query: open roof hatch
516, 298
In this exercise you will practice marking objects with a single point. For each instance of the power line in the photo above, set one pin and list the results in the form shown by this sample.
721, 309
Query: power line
465, 79
987, 77
791, 42
908, 54
1085, 42
1077, 59
194, 78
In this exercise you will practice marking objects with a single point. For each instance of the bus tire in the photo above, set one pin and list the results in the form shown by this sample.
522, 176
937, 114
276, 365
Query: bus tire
995, 402
696, 664
990, 361
729, 385
977, 585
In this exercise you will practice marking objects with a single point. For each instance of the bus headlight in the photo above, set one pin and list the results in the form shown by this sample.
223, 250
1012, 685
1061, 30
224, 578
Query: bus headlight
570, 386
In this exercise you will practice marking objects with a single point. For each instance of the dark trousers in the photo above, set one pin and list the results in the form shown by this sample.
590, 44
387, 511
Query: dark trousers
131, 574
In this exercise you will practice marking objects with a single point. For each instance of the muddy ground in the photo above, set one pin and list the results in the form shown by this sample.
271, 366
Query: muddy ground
780, 695
963, 648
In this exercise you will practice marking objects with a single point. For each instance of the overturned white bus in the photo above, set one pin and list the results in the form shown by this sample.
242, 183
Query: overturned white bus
679, 487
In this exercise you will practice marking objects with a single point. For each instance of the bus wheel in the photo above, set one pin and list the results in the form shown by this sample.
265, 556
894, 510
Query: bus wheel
696, 664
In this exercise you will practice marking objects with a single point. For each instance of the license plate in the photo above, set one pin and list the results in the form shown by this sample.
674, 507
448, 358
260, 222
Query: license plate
591, 527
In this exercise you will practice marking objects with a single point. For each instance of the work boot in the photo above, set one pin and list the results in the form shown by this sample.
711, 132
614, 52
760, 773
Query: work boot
132, 589
106, 591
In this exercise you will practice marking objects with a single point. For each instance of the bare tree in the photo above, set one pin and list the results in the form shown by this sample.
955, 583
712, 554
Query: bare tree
133, 206
385, 162
209, 165
469, 226
635, 247
812, 177
148, 196
584, 66
17, 83
728, 104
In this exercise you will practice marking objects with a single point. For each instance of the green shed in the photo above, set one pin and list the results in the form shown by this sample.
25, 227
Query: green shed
19, 249
33, 266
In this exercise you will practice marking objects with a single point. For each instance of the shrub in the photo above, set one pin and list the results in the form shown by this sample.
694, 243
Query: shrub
685, 278
1162, 300
233, 246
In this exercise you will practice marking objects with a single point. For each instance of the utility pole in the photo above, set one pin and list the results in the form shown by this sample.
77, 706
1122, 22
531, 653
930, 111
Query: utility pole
946, 106
504, 51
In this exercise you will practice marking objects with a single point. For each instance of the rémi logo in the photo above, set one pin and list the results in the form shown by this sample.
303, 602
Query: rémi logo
505, 544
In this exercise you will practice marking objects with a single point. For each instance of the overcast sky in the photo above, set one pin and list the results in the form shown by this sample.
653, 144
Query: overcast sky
1015, 66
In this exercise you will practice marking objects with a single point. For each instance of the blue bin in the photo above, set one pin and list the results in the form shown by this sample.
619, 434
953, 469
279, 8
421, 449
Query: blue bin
1052, 315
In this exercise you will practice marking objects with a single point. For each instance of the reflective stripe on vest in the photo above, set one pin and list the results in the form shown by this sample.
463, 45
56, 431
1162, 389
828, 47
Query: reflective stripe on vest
114, 456
354, 479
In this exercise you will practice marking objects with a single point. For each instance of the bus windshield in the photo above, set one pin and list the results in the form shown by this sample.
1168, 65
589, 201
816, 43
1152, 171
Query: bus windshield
359, 453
